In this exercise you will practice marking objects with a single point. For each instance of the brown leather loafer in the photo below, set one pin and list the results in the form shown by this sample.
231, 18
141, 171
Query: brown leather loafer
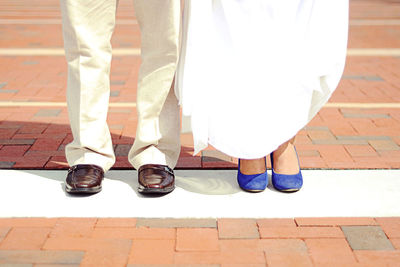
84, 178
156, 179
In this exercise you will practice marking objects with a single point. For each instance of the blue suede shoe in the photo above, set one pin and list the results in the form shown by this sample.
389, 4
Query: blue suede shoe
252, 183
286, 182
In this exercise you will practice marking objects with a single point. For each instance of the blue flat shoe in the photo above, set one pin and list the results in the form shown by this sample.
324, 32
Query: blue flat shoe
286, 182
254, 182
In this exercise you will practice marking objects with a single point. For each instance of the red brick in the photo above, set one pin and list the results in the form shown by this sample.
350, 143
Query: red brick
197, 239
57, 162
312, 162
361, 151
134, 233
86, 244
189, 162
117, 258
378, 258
116, 222
73, 227
262, 223
396, 243
301, 232
31, 162
237, 228
46, 144
335, 221
152, 252
298, 259
186, 258
330, 252
3, 232
27, 222
25, 238
14, 151
391, 226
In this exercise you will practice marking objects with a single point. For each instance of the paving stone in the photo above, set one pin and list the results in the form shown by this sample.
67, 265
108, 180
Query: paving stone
176, 223
339, 142
48, 113
301, 232
238, 229
30, 63
316, 128
41, 256
362, 77
367, 238
362, 137
17, 141
6, 164
114, 93
9, 91
365, 115
335, 221
384, 145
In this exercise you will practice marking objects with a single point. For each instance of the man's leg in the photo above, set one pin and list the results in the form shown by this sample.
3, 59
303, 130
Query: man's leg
87, 30
157, 138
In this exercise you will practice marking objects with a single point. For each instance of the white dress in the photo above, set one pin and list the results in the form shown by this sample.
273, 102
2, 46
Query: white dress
252, 73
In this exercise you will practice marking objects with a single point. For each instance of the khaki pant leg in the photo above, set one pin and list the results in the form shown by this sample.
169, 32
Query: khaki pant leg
87, 29
157, 138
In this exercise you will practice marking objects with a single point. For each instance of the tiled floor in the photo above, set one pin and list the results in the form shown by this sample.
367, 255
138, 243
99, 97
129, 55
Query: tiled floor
359, 128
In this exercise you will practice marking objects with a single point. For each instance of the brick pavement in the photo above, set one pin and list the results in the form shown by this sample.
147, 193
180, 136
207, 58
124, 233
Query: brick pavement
34, 131
193, 242
344, 137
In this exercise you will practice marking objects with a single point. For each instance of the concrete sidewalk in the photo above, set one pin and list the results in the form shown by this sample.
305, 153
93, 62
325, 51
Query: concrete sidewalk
204, 194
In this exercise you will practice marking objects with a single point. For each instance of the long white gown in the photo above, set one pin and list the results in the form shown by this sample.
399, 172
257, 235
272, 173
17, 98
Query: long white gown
252, 73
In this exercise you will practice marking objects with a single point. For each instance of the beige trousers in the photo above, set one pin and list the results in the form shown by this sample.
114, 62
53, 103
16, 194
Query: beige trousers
87, 29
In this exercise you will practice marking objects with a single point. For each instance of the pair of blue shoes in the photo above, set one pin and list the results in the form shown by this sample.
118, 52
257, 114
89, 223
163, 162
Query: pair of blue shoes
281, 182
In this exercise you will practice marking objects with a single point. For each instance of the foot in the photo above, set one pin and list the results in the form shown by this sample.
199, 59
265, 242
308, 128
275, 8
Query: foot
253, 176
156, 179
285, 159
84, 179
252, 166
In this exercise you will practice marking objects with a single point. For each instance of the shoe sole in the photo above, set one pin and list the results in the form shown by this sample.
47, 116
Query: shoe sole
288, 190
93, 190
145, 190
253, 190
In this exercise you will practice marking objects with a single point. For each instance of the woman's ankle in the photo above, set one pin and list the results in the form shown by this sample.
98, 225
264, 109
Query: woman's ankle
252, 166
285, 159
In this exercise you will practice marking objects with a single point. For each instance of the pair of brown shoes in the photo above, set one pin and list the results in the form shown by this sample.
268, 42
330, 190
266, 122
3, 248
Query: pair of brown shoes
87, 178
